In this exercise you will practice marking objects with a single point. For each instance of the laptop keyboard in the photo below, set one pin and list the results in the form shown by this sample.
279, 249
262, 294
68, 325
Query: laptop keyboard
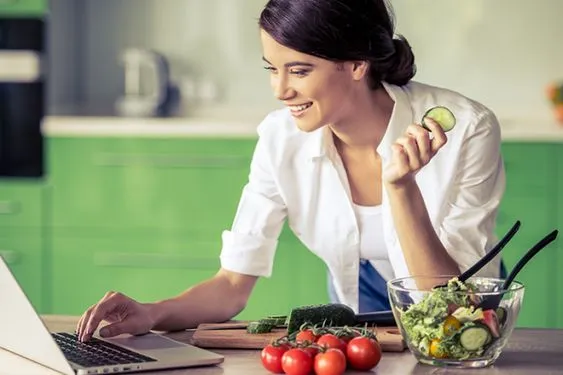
96, 352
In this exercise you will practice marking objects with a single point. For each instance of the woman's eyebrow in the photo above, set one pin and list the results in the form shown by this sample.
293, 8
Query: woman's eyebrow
291, 63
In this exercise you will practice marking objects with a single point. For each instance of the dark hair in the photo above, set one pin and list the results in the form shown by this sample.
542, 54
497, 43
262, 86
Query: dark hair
343, 30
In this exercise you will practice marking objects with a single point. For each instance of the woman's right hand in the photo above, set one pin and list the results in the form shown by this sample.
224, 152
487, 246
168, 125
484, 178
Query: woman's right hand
124, 315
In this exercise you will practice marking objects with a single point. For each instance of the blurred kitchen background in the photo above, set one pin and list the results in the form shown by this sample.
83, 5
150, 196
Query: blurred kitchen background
500, 52
212, 48
123, 153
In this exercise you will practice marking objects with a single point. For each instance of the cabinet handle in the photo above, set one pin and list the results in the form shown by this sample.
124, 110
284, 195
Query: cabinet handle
8, 207
148, 260
173, 161
9, 256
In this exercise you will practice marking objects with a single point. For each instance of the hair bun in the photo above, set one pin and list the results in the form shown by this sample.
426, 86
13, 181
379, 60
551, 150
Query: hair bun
403, 68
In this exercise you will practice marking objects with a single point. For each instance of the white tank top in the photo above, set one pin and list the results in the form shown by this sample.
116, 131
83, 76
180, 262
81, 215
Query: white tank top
372, 243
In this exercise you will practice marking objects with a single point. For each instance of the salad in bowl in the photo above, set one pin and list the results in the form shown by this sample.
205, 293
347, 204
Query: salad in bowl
449, 325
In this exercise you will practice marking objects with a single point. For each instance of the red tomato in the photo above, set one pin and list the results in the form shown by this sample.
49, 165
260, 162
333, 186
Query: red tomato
311, 350
328, 340
331, 362
363, 353
349, 337
306, 335
272, 358
297, 362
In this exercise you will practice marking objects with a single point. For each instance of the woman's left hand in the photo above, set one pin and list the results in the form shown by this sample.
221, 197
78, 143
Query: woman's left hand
413, 151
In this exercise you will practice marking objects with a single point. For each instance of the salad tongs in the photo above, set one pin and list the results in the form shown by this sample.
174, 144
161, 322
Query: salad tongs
488, 257
492, 301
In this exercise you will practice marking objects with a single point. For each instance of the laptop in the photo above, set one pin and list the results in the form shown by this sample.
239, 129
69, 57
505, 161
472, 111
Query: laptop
25, 339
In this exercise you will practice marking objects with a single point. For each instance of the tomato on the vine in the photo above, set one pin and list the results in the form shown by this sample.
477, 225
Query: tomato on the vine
348, 336
312, 350
328, 340
271, 357
297, 362
363, 353
330, 362
306, 335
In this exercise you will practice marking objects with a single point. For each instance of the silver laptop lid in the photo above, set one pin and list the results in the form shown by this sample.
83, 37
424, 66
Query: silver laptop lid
23, 331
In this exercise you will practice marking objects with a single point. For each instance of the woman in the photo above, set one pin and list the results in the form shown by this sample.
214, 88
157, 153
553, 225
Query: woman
361, 183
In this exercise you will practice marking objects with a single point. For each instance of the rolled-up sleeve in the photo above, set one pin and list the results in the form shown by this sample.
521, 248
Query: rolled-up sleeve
467, 229
249, 247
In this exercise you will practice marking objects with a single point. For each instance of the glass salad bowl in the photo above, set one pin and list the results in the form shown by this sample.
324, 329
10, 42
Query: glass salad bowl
447, 326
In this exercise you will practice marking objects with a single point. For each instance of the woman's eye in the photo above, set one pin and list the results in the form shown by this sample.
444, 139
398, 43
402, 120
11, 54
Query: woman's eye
299, 72
271, 69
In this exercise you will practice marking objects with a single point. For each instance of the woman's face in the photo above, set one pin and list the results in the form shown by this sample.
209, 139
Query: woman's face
317, 91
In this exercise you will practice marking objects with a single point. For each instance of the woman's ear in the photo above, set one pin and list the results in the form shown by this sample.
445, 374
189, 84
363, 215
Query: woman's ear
359, 69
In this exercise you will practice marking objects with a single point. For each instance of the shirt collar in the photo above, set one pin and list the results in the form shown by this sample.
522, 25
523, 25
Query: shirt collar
401, 118
321, 143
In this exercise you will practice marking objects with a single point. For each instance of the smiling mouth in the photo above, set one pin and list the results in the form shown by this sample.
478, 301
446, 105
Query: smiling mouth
299, 108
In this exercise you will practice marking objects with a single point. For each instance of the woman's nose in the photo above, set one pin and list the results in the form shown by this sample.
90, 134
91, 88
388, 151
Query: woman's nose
281, 89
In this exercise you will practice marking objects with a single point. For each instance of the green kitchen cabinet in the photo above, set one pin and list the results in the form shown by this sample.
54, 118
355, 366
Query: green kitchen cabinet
556, 284
159, 266
298, 278
144, 216
22, 241
21, 204
173, 185
23, 253
147, 268
23, 8
529, 197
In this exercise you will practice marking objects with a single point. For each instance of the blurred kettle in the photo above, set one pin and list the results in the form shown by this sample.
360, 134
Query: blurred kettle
146, 83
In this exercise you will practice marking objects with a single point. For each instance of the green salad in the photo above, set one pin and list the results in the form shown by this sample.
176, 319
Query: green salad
447, 324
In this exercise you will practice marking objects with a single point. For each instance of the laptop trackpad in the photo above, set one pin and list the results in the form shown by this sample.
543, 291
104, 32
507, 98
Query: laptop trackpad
150, 341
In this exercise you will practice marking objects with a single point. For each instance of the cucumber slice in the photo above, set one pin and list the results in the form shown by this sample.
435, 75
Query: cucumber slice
501, 315
442, 115
260, 327
266, 324
474, 337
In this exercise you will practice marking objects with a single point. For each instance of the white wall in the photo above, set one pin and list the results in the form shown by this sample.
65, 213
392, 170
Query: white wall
501, 52
64, 67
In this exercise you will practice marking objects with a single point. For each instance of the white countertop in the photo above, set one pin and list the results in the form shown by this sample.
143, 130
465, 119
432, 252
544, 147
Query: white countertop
240, 125
102, 121
62, 126
531, 130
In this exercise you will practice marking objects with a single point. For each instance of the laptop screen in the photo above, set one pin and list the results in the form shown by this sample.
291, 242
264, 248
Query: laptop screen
23, 331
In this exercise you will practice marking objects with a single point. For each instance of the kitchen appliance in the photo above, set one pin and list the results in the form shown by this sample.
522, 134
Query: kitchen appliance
146, 86
21, 97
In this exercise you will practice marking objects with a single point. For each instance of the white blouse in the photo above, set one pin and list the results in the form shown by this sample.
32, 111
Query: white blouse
372, 244
294, 176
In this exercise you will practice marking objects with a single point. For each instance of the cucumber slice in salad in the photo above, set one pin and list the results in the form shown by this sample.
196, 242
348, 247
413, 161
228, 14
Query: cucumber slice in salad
442, 115
475, 337
501, 315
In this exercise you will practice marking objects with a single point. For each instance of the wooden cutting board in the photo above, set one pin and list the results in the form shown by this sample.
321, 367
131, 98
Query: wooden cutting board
212, 336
